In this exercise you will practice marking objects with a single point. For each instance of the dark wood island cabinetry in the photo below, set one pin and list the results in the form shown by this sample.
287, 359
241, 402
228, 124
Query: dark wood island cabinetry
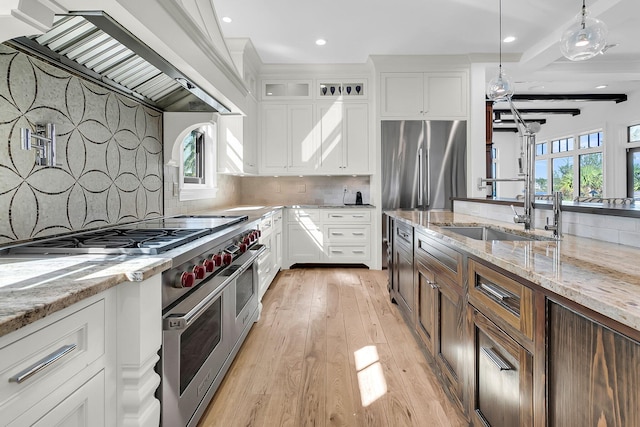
510, 352
593, 373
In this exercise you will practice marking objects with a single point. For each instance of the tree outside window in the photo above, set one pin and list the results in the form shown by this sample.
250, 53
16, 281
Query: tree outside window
591, 175
562, 180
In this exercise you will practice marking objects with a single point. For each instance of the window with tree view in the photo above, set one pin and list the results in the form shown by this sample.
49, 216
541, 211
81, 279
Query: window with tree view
193, 158
633, 162
574, 169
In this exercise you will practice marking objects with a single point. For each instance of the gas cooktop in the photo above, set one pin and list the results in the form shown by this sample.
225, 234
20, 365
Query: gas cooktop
149, 237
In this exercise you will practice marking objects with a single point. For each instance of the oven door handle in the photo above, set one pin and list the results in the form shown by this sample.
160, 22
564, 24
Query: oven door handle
178, 321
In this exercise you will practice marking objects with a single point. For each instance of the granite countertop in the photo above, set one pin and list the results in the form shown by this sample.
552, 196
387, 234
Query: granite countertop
601, 276
35, 286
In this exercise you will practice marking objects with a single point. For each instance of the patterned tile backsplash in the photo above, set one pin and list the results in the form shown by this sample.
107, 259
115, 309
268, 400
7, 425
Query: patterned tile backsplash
109, 153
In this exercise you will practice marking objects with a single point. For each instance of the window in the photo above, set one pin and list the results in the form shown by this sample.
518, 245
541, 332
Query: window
562, 145
633, 133
193, 157
562, 179
591, 175
542, 182
542, 149
633, 173
633, 162
591, 140
575, 170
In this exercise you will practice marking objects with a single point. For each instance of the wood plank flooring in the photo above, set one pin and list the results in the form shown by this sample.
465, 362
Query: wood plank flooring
330, 350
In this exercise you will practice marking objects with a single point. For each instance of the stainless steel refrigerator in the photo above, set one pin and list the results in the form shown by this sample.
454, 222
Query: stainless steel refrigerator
423, 165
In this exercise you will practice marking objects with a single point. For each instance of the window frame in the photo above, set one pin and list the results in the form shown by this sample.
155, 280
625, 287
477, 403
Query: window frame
209, 188
575, 153
201, 158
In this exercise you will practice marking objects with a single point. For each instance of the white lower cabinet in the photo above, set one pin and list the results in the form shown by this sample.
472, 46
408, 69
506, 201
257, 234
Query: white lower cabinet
83, 407
336, 236
270, 262
90, 364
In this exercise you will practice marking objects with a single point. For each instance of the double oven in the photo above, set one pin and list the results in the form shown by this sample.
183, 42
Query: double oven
203, 331
209, 297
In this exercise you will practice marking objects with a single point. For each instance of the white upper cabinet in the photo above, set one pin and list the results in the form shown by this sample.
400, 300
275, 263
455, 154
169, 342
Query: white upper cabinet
344, 138
237, 142
288, 144
432, 95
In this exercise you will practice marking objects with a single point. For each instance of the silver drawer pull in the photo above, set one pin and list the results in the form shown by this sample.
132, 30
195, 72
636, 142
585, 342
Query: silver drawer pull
358, 252
496, 359
335, 233
336, 216
495, 292
335, 251
357, 216
433, 284
42, 364
358, 234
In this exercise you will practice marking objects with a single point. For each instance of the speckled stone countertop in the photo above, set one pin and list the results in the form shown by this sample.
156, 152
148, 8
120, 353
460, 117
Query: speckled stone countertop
601, 276
35, 286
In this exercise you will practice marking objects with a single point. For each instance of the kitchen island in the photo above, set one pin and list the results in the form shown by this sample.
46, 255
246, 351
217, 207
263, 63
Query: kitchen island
523, 332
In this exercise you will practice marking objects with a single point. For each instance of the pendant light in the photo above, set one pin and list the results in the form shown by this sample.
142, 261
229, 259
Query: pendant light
585, 38
500, 87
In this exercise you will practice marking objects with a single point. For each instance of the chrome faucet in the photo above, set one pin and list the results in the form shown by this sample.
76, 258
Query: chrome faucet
557, 216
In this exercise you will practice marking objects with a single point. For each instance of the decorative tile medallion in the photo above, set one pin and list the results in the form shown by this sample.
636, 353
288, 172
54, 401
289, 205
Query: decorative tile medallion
108, 157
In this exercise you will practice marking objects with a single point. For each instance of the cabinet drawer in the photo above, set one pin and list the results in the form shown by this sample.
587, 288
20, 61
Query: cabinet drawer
345, 233
277, 219
447, 261
502, 377
341, 253
403, 236
36, 365
266, 225
344, 216
84, 406
303, 215
507, 302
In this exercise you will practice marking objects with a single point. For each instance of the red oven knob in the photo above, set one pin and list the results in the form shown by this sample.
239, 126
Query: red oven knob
227, 258
259, 233
246, 240
217, 259
209, 265
185, 280
199, 272
243, 247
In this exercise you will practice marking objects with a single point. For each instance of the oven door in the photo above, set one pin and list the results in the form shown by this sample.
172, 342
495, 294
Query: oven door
245, 299
194, 349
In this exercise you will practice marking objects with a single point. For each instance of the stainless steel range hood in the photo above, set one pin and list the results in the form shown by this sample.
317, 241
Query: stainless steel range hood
93, 44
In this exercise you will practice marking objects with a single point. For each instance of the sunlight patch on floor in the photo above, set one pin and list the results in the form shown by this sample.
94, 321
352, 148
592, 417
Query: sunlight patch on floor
371, 379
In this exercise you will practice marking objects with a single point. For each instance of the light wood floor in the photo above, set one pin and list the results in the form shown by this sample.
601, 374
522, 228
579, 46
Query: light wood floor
330, 350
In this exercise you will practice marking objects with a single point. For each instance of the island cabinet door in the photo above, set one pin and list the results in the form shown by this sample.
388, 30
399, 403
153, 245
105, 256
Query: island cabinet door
501, 377
426, 306
450, 337
593, 373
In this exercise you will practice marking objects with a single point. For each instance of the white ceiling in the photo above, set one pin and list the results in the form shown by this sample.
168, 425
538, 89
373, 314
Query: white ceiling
284, 32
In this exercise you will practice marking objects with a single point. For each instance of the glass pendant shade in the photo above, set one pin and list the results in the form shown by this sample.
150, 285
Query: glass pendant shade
584, 39
500, 88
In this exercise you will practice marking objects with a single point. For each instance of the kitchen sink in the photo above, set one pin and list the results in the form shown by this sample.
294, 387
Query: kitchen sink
489, 233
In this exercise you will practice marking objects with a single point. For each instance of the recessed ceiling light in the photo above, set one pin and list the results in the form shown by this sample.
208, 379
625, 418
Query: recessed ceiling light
321, 42
509, 39
226, 19
601, 87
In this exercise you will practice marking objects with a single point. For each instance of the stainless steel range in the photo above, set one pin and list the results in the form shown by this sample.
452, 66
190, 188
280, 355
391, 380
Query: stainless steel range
209, 297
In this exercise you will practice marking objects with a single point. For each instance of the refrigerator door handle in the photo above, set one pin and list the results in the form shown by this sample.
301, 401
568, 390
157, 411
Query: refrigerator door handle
428, 173
420, 177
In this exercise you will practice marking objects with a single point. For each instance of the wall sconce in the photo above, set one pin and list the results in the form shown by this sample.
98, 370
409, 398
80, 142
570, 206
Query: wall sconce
45, 144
